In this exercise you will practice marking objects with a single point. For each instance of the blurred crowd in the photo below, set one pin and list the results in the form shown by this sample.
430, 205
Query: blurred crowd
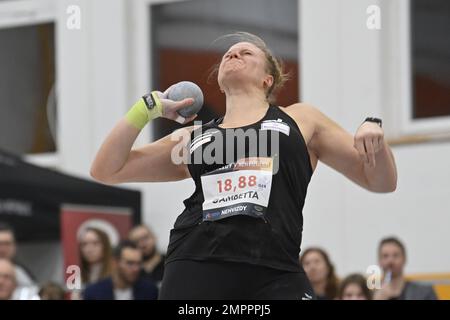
133, 270
389, 284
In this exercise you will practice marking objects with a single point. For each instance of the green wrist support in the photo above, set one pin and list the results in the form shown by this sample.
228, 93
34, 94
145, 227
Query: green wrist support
139, 115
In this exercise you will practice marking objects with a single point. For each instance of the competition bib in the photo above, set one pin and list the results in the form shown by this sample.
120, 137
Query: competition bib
240, 188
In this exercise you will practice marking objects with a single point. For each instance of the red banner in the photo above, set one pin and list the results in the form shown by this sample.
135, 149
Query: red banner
115, 221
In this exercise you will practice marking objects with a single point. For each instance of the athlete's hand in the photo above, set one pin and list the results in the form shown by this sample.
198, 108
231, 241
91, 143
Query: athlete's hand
170, 107
369, 140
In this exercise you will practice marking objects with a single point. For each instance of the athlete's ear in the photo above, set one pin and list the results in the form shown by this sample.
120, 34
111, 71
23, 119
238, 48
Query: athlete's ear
268, 81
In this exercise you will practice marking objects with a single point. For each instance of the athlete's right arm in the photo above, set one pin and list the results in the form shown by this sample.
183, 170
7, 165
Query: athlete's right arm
116, 161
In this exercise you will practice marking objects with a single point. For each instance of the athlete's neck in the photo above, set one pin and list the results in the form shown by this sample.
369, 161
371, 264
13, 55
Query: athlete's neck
244, 108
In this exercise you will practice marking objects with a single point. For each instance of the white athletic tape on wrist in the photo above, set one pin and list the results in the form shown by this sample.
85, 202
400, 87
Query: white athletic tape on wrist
180, 119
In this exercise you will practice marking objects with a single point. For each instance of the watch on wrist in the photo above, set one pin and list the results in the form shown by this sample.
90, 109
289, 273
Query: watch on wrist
376, 120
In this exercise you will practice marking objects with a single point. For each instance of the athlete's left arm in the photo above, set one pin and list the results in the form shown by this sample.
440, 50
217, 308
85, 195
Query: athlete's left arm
364, 158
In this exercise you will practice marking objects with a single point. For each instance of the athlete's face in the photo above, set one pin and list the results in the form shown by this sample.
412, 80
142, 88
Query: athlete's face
315, 267
353, 292
391, 258
244, 63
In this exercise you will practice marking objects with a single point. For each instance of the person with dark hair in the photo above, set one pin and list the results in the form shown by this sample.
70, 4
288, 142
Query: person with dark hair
240, 233
125, 283
320, 272
392, 260
25, 284
354, 287
51, 291
153, 260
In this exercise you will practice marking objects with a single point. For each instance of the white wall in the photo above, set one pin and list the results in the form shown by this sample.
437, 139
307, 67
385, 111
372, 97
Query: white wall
343, 73
44, 260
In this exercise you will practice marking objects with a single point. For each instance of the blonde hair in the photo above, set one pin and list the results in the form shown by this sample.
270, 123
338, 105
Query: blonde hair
275, 66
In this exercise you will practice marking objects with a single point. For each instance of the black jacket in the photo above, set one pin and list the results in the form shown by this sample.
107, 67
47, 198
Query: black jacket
103, 290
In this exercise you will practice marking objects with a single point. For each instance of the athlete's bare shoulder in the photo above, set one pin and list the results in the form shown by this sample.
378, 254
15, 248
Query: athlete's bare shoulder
303, 110
306, 117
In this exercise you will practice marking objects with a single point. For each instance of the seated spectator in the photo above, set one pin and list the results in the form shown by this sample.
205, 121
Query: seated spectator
95, 255
354, 287
392, 260
95, 252
125, 283
153, 261
26, 288
51, 291
8, 250
7, 279
320, 272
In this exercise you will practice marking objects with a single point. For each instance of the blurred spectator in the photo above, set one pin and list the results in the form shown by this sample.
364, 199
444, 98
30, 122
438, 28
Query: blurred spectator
354, 287
392, 260
95, 254
320, 272
51, 291
8, 251
26, 288
125, 282
153, 261
7, 279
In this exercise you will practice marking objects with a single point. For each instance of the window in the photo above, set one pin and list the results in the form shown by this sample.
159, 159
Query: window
27, 78
183, 48
430, 53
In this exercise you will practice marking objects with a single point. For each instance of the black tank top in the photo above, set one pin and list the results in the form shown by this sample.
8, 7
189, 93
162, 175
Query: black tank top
266, 234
